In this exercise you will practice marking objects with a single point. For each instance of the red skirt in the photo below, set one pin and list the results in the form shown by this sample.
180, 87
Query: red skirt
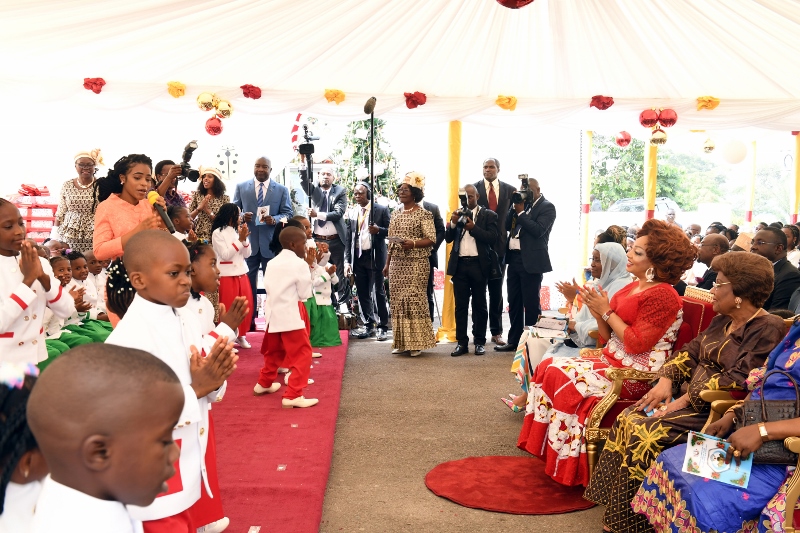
232, 286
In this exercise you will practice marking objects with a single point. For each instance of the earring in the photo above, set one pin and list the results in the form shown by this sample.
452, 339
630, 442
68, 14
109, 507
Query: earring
650, 275
26, 473
738, 302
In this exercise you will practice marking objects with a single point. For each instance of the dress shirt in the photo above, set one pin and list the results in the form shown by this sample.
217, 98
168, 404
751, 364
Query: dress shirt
259, 184
513, 242
362, 220
468, 246
327, 229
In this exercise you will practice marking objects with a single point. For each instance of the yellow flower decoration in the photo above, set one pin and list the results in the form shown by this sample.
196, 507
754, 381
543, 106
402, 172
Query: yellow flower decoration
707, 102
507, 102
176, 89
334, 95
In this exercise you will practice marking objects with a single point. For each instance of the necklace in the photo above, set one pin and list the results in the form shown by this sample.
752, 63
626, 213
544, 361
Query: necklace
728, 327
411, 210
79, 185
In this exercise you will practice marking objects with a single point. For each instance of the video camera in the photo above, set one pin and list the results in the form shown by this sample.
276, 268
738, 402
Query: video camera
187, 172
464, 212
524, 194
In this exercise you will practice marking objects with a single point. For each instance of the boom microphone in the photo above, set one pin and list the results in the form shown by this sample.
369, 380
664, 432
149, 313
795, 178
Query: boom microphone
153, 197
369, 107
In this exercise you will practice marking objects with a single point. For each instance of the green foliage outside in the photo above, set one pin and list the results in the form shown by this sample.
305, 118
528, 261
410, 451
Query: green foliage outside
348, 169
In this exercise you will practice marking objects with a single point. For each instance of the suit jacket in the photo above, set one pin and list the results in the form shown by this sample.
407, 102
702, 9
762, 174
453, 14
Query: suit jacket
280, 208
485, 234
787, 280
337, 204
534, 234
438, 223
707, 281
503, 205
381, 219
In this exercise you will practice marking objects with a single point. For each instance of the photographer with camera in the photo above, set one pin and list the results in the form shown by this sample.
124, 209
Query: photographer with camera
472, 230
528, 223
167, 174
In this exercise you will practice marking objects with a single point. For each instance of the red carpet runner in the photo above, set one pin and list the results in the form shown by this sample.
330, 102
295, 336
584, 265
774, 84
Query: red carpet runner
514, 485
274, 462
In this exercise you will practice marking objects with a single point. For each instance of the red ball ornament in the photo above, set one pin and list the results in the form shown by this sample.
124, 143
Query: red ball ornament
623, 139
667, 117
648, 118
214, 126
514, 4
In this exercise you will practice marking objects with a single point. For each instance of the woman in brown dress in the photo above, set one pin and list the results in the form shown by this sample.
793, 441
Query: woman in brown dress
738, 340
74, 216
411, 237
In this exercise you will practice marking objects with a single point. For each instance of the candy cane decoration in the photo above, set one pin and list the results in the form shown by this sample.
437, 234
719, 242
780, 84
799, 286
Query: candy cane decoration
295, 130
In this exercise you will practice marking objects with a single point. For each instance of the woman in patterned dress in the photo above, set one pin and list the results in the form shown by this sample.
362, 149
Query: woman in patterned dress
411, 237
738, 340
75, 216
641, 323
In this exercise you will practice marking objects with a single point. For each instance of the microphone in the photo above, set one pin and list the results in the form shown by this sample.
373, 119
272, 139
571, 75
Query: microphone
153, 197
369, 107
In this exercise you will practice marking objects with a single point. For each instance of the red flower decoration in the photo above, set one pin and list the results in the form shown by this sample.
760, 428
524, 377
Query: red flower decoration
514, 4
94, 84
251, 91
648, 118
601, 102
415, 99
667, 117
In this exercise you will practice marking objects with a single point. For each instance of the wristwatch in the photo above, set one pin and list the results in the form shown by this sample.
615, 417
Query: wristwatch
607, 315
763, 430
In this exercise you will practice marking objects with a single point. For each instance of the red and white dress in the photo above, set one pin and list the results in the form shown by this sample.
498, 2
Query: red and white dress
231, 255
565, 390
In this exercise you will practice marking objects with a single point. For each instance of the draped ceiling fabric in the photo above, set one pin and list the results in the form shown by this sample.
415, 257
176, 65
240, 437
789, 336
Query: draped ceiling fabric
553, 55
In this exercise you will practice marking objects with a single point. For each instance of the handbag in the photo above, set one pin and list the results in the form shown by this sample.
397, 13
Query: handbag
755, 411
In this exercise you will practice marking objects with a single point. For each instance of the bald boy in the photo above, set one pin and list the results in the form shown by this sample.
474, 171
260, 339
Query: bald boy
103, 417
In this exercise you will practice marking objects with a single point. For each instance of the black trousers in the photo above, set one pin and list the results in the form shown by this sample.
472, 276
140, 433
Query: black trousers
336, 248
430, 290
469, 281
496, 301
254, 264
523, 296
371, 291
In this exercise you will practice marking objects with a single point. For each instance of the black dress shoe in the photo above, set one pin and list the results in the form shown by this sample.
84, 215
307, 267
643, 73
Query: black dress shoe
460, 350
382, 335
505, 348
479, 349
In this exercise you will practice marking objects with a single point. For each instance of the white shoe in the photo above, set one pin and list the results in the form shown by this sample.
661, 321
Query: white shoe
286, 379
398, 351
234, 350
243, 342
215, 527
282, 370
316, 355
415, 353
258, 390
300, 401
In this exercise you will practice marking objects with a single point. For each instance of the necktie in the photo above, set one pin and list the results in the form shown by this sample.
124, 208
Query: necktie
361, 219
260, 194
323, 208
492, 199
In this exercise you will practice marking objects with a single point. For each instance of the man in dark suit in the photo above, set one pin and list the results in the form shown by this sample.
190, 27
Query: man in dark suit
365, 257
712, 246
249, 196
329, 227
527, 256
438, 223
771, 243
496, 195
469, 268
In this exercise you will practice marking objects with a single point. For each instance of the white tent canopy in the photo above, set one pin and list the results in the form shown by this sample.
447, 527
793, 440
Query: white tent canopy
552, 55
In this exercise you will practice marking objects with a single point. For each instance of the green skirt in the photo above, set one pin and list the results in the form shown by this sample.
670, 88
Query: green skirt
94, 329
56, 347
324, 324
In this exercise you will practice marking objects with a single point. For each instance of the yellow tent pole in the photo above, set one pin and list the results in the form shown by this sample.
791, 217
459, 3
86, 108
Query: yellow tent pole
447, 331
796, 177
587, 187
650, 176
751, 193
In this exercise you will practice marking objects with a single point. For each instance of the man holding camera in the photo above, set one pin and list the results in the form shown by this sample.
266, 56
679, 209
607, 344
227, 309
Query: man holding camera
528, 223
496, 195
472, 230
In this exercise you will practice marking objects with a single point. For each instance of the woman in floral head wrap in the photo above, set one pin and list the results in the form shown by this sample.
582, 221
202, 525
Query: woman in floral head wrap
74, 217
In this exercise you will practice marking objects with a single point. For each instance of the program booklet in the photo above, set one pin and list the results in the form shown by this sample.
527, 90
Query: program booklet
548, 327
705, 457
261, 214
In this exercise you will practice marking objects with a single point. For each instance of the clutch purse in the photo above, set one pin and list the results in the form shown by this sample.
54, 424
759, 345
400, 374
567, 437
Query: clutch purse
755, 411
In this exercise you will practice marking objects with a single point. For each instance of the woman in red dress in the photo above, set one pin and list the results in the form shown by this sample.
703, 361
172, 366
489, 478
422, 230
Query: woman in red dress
640, 322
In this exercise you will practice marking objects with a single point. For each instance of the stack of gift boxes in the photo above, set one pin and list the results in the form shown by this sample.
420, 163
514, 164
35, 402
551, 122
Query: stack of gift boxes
38, 209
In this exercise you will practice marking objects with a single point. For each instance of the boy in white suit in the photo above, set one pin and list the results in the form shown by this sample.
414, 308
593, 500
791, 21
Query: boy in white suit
287, 281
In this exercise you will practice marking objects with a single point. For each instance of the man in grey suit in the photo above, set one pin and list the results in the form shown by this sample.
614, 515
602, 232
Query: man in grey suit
438, 223
250, 195
495, 195
329, 227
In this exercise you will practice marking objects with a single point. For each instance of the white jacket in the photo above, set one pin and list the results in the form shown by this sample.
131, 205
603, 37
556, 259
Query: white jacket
99, 281
91, 297
168, 333
322, 284
22, 312
230, 251
287, 281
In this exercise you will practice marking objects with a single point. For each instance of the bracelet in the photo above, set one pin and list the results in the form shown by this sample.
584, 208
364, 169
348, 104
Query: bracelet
763, 430
415, 244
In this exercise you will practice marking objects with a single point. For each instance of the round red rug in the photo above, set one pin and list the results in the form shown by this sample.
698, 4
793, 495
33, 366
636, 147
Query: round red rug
514, 485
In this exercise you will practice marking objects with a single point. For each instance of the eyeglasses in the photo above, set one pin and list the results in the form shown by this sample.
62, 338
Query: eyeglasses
715, 285
761, 243
91, 165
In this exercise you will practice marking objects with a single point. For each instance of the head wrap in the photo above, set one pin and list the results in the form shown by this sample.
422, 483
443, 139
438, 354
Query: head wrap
94, 155
614, 262
414, 179
209, 170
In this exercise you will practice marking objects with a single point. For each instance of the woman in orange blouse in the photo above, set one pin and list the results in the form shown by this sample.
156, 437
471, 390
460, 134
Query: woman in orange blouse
122, 207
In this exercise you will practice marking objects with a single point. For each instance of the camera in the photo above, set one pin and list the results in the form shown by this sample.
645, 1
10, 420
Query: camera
464, 212
187, 172
524, 194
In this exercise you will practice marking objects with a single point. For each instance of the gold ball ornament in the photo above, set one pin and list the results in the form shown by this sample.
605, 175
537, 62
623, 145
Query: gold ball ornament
658, 136
224, 109
205, 101
709, 146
